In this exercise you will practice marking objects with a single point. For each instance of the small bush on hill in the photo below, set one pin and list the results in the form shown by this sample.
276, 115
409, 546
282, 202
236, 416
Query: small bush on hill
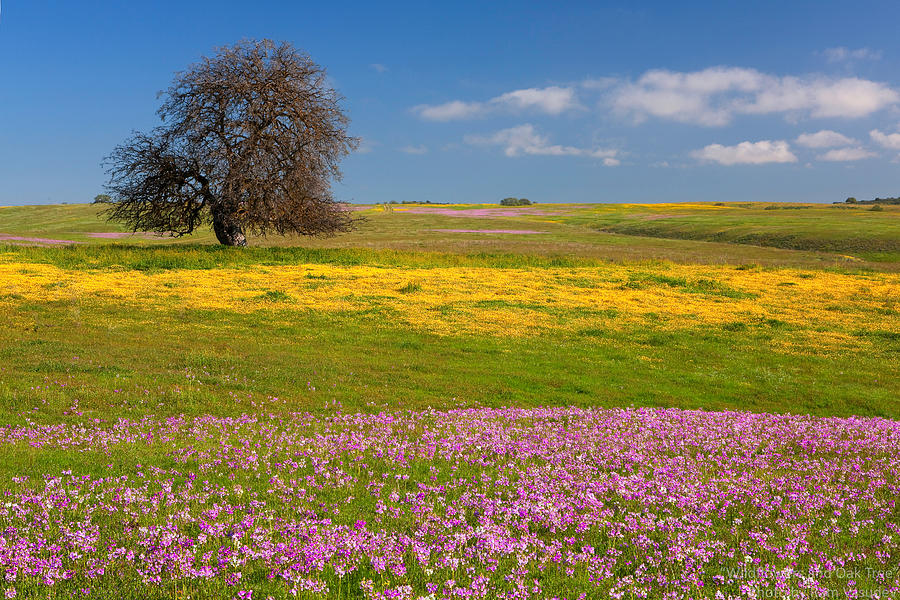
515, 202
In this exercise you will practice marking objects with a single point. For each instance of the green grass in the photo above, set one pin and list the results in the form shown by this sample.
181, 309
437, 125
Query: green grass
818, 236
869, 235
196, 256
84, 358
132, 361
700, 286
126, 363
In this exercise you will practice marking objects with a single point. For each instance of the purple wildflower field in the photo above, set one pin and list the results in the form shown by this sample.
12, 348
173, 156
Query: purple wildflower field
477, 503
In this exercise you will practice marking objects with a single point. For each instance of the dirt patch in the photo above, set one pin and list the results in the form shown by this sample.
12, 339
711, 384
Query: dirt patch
18, 239
115, 235
520, 231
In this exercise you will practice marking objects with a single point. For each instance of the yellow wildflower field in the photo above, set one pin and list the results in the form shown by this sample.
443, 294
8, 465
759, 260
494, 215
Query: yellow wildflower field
823, 308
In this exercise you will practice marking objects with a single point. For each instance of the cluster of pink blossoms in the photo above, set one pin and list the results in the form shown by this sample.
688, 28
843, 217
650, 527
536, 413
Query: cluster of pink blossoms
480, 503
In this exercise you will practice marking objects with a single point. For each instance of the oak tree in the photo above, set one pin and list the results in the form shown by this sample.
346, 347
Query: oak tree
250, 141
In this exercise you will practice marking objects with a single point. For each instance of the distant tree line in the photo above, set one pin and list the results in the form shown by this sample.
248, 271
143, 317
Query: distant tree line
852, 200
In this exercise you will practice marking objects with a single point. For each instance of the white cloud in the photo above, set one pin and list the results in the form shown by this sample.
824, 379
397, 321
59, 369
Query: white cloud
886, 140
669, 96
846, 154
414, 149
844, 54
524, 140
450, 111
747, 153
710, 97
849, 97
824, 139
553, 100
686, 97
713, 96
379, 68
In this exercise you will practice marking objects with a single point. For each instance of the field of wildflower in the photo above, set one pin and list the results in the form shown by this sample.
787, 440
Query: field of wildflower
185, 421
832, 307
478, 503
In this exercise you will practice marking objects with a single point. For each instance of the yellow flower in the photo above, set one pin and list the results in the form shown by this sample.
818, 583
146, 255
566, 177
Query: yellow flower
819, 305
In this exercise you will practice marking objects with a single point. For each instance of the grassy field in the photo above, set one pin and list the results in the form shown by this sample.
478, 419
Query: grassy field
812, 236
865, 232
433, 384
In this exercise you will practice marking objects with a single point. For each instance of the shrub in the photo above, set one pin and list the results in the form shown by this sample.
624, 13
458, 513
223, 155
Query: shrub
515, 202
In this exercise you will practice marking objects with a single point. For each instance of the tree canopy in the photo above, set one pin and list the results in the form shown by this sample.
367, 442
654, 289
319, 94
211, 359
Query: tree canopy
251, 141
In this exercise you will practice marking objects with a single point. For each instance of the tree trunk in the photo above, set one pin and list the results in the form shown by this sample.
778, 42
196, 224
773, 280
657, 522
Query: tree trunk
228, 231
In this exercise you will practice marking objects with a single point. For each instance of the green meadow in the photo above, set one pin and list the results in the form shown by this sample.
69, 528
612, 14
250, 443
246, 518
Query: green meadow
88, 356
777, 234
264, 392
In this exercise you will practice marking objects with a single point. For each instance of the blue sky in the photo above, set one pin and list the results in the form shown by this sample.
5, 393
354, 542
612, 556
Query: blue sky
475, 101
